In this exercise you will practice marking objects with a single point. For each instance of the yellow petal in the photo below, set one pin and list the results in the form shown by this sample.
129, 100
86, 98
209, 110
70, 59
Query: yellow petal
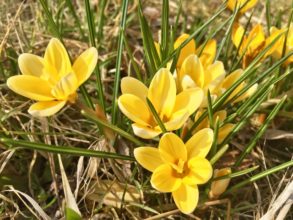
185, 51
30, 64
250, 4
200, 143
278, 44
237, 34
209, 52
31, 87
177, 120
172, 148
130, 85
200, 171
44, 109
215, 74
148, 157
187, 83
245, 5
232, 78
255, 39
85, 64
221, 115
219, 186
224, 131
193, 67
57, 57
163, 179
135, 109
158, 48
189, 99
247, 94
162, 92
145, 132
65, 87
186, 198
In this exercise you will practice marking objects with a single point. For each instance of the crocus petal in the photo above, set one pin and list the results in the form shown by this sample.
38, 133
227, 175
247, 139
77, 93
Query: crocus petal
162, 92
255, 38
187, 50
231, 78
31, 87
209, 52
245, 5
200, 143
186, 83
56, 56
224, 131
163, 179
145, 131
85, 64
193, 67
189, 99
237, 35
219, 186
221, 115
148, 157
200, 171
247, 94
130, 85
278, 44
44, 109
172, 148
215, 74
177, 120
186, 198
65, 87
134, 108
30, 64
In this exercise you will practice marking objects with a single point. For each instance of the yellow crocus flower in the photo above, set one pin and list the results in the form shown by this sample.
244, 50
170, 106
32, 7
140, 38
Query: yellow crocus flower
245, 5
52, 80
223, 131
207, 55
218, 187
253, 43
193, 74
172, 109
280, 43
177, 167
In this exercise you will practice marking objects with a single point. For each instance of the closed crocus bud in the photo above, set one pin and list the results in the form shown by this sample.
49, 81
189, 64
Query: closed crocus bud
219, 186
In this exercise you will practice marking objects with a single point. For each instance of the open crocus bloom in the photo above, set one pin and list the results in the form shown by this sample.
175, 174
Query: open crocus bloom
280, 44
218, 187
207, 52
172, 109
177, 167
245, 5
193, 74
223, 131
52, 80
253, 43
230, 80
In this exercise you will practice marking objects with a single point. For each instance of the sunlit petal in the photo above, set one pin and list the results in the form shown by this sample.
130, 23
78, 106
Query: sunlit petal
85, 64
177, 120
30, 64
135, 109
172, 148
200, 143
200, 171
189, 99
56, 56
145, 132
186, 198
44, 109
31, 87
148, 157
162, 92
187, 50
130, 85
224, 131
65, 87
163, 179
218, 187
215, 74
209, 52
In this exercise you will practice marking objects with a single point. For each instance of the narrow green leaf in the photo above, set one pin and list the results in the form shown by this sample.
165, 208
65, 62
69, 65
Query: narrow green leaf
64, 149
121, 132
219, 154
165, 29
259, 176
237, 174
70, 214
156, 116
114, 112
